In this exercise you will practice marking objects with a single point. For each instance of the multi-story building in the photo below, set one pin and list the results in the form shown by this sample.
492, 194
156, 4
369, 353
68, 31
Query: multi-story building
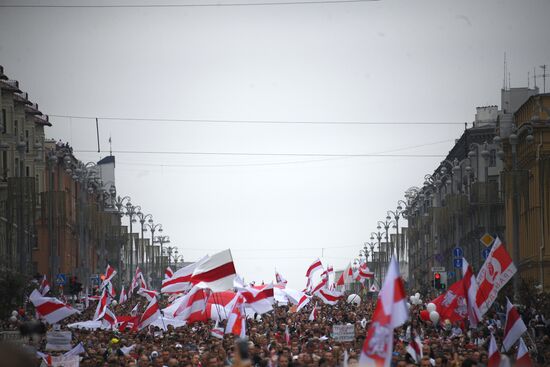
526, 151
463, 198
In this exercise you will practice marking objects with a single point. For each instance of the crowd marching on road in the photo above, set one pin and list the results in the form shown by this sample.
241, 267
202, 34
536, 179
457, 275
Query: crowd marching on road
205, 315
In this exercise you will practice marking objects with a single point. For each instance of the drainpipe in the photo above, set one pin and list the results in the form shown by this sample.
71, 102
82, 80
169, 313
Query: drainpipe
541, 209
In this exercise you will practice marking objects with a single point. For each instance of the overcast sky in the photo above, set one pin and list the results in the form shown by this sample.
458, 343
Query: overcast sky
385, 61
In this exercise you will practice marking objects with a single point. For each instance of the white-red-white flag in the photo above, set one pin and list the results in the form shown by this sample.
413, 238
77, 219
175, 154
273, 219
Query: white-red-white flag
190, 307
320, 285
470, 289
287, 335
123, 297
151, 314
260, 300
304, 300
279, 280
494, 354
415, 349
168, 273
523, 359
313, 314
109, 318
104, 301
44, 286
138, 281
364, 273
329, 297
50, 309
236, 321
497, 270
110, 272
346, 277
216, 273
180, 281
391, 311
514, 326
217, 332
148, 293
317, 265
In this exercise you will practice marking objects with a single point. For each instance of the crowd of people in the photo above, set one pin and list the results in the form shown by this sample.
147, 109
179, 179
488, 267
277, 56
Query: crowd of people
286, 338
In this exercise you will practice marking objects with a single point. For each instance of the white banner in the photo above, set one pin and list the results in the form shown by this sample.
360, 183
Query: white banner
343, 333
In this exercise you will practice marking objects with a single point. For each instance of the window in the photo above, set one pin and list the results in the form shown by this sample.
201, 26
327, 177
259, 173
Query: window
27, 141
4, 122
16, 129
27, 171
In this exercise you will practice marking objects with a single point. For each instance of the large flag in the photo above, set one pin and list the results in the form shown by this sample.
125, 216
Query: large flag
514, 327
470, 289
391, 311
44, 286
322, 284
452, 304
216, 273
151, 314
329, 297
317, 265
497, 270
180, 281
260, 300
148, 293
190, 307
523, 359
50, 309
494, 354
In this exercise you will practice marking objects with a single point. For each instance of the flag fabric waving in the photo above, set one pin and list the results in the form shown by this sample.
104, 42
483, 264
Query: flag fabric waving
523, 359
313, 314
180, 281
44, 286
346, 277
110, 272
260, 300
50, 309
329, 297
391, 311
470, 289
497, 270
304, 300
168, 273
415, 349
494, 354
148, 293
151, 314
279, 279
104, 301
236, 321
123, 297
317, 265
452, 304
216, 273
514, 326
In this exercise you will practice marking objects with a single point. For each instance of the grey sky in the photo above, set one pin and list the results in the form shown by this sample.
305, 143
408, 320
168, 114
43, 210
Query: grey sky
386, 61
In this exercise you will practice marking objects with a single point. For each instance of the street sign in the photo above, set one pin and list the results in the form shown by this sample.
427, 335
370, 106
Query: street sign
457, 263
61, 279
487, 239
451, 274
457, 252
486, 252
438, 269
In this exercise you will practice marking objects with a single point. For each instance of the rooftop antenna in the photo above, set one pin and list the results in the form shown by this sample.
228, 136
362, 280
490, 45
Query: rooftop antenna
535, 77
110, 145
544, 75
504, 79
528, 76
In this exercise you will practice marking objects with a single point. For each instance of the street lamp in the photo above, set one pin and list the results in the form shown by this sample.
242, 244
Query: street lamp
386, 224
162, 240
396, 214
131, 212
153, 228
378, 236
142, 219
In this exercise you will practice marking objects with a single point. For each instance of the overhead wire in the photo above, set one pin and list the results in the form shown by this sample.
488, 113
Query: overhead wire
192, 5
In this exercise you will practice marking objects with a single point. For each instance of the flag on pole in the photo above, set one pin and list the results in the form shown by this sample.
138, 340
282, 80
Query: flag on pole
168, 273
78, 349
317, 265
329, 297
151, 314
236, 321
104, 301
514, 326
216, 273
44, 286
346, 277
523, 359
470, 289
391, 311
110, 272
313, 314
415, 349
304, 300
180, 281
50, 309
279, 279
123, 297
494, 354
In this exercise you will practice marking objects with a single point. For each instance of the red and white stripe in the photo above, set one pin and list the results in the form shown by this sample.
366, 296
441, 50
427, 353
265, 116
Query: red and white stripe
523, 358
279, 280
104, 301
329, 297
364, 272
415, 349
44, 286
109, 318
168, 273
217, 332
304, 300
346, 277
313, 314
123, 297
216, 273
138, 281
287, 335
148, 293
192, 306
110, 272
494, 354
236, 322
151, 314
50, 309
391, 311
322, 284
180, 281
514, 326
470, 289
317, 265
259, 298
47, 358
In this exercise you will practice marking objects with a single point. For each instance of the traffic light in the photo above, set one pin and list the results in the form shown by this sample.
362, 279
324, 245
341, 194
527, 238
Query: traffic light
437, 280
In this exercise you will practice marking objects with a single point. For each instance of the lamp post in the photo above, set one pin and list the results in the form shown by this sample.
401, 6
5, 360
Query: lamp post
142, 219
513, 140
386, 225
131, 212
378, 236
396, 214
153, 228
162, 240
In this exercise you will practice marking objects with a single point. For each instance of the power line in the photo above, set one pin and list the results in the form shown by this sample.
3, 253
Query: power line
267, 154
194, 5
275, 122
